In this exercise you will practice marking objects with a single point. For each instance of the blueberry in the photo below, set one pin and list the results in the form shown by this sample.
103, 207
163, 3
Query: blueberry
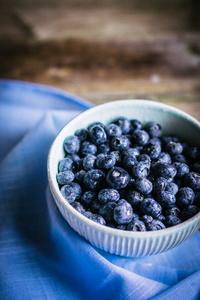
134, 198
106, 210
88, 214
107, 195
174, 148
104, 147
131, 152
89, 162
150, 206
96, 123
155, 225
140, 169
167, 139
135, 124
179, 158
181, 168
117, 178
65, 164
164, 157
159, 184
166, 199
79, 176
192, 179
87, 198
82, 134
136, 225
68, 193
94, 179
113, 130
192, 153
124, 123
122, 227
129, 162
118, 157
77, 205
98, 219
77, 189
144, 158
173, 210
119, 143
65, 177
147, 219
185, 197
154, 129
74, 157
143, 185
140, 137
123, 212
189, 212
88, 148
172, 188
105, 161
72, 144
165, 170
97, 134
171, 221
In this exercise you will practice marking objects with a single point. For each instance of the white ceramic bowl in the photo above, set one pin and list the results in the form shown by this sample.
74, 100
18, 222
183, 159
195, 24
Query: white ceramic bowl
115, 241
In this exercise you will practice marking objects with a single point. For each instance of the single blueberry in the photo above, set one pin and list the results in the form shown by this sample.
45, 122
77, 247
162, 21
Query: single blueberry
179, 158
145, 158
154, 129
88, 214
143, 185
131, 152
65, 164
167, 139
118, 157
155, 225
173, 210
113, 130
134, 198
82, 134
96, 123
140, 137
189, 212
181, 168
89, 162
88, 148
107, 195
123, 212
164, 157
95, 206
165, 170
68, 193
124, 123
98, 219
192, 179
150, 206
105, 161
172, 188
72, 144
122, 227
65, 177
136, 225
147, 219
129, 162
79, 176
94, 179
135, 124
104, 147
87, 198
77, 205
74, 157
174, 148
159, 184
97, 134
107, 210
77, 189
140, 169
166, 199
171, 221
192, 153
118, 143
117, 178
185, 197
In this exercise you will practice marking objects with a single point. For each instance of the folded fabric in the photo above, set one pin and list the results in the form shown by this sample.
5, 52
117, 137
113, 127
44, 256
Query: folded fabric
41, 257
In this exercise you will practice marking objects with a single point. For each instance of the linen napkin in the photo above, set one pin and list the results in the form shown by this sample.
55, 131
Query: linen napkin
41, 257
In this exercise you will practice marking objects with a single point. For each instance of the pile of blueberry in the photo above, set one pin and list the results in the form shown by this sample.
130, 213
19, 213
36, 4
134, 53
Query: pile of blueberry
129, 176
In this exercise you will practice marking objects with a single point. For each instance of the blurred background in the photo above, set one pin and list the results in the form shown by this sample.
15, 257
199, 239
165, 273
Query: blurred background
106, 50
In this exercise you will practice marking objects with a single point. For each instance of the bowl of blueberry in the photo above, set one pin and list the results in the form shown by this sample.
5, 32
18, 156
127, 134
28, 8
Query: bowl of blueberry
125, 175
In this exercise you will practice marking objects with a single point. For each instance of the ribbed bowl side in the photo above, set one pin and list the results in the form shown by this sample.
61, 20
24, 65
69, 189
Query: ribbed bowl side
126, 245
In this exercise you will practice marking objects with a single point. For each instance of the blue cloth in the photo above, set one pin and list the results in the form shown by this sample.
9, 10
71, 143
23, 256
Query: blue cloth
41, 257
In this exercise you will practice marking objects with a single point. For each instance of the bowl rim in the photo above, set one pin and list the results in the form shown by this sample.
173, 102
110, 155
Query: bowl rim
106, 229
